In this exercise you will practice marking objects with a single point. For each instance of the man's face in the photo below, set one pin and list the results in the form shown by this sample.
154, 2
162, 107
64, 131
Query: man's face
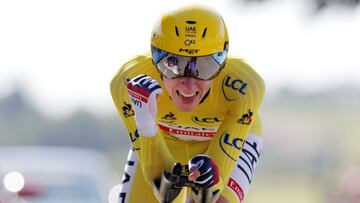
186, 92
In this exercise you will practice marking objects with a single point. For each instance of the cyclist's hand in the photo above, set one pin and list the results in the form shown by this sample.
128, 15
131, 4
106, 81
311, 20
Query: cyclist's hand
203, 171
143, 91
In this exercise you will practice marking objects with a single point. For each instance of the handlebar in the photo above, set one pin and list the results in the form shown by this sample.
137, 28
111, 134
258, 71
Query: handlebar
171, 184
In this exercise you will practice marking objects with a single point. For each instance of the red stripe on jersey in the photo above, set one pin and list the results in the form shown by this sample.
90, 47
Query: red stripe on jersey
186, 132
236, 188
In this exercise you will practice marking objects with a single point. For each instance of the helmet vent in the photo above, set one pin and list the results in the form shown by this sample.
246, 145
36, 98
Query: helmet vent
177, 31
204, 33
191, 22
226, 45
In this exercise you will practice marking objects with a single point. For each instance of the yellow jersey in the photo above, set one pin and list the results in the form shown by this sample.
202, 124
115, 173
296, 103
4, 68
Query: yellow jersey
217, 127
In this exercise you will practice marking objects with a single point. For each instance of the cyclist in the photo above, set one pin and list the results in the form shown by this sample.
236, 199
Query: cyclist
192, 104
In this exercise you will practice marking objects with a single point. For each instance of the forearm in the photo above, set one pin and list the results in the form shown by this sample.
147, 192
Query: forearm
248, 160
225, 151
155, 157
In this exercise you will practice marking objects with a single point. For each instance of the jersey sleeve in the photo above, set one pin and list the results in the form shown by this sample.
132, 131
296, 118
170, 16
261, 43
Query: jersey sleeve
151, 151
231, 136
257, 127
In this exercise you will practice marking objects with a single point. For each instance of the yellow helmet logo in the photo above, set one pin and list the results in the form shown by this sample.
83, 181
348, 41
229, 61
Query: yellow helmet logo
190, 31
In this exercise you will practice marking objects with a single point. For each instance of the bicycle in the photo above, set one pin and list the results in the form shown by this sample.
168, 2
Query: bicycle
172, 183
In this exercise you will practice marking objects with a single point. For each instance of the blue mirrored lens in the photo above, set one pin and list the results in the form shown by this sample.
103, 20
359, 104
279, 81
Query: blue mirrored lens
220, 57
158, 54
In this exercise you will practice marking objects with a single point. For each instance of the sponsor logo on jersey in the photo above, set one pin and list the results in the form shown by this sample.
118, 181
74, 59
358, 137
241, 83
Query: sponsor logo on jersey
127, 110
236, 188
229, 143
205, 121
246, 119
133, 138
249, 157
233, 84
185, 131
127, 180
169, 116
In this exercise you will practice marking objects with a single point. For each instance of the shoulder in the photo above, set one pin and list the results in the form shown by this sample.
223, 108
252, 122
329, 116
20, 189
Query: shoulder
240, 68
134, 66
140, 64
238, 80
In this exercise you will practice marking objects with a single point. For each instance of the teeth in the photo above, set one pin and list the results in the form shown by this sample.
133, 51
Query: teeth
187, 95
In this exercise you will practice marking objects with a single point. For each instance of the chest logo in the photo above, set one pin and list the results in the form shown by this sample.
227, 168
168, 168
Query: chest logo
127, 110
246, 119
228, 143
205, 121
169, 116
230, 85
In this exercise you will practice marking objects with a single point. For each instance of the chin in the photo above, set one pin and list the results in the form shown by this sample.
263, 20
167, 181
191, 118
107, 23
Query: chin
186, 108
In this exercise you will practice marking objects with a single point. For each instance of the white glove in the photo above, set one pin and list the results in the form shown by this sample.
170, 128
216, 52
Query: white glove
142, 91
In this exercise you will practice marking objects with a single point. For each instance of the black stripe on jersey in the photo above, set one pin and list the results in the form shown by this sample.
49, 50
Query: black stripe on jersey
251, 168
254, 146
246, 174
122, 196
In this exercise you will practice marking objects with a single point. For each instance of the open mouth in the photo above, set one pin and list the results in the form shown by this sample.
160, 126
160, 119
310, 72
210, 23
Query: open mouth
187, 95
187, 99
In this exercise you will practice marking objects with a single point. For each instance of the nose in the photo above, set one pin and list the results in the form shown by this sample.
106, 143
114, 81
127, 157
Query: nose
188, 82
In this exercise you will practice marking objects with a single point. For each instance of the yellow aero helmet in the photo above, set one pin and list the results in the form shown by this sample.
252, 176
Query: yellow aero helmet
190, 31
190, 41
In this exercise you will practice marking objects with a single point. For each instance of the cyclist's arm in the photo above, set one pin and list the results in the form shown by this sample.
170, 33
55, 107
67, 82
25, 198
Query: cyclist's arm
150, 150
226, 146
249, 158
